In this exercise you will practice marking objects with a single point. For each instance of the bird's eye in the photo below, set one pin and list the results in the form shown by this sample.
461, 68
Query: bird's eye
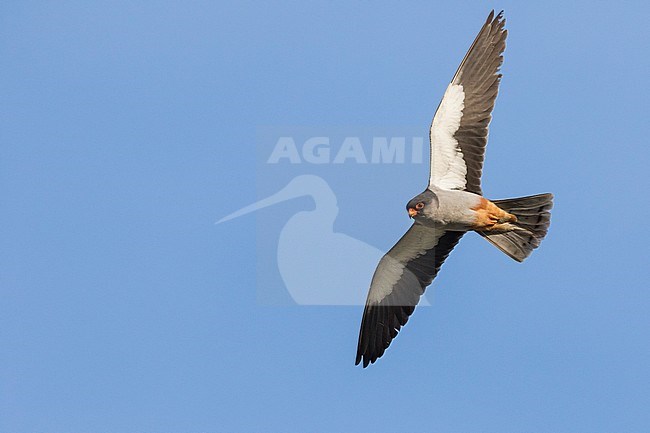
419, 206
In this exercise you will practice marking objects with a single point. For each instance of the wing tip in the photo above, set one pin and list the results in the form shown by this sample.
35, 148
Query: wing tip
361, 356
499, 19
367, 360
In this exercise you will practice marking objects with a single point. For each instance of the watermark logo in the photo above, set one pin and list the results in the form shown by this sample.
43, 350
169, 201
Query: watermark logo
318, 196
319, 150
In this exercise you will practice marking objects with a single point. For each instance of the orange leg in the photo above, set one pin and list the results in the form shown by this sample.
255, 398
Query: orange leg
491, 217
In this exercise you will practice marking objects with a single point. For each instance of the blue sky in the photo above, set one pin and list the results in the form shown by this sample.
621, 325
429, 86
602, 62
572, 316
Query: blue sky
129, 128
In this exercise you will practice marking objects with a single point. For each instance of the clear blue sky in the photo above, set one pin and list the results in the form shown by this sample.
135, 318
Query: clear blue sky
128, 128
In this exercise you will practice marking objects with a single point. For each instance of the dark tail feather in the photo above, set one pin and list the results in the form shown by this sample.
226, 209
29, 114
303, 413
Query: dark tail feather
533, 218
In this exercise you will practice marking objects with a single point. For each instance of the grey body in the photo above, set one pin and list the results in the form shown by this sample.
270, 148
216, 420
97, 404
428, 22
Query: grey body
447, 210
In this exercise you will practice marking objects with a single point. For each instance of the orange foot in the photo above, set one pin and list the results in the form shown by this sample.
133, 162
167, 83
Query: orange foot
491, 217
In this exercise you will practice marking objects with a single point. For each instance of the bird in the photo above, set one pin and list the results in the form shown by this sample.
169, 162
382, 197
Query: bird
453, 202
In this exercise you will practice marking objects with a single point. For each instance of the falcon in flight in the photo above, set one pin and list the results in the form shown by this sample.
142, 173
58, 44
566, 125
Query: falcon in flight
453, 203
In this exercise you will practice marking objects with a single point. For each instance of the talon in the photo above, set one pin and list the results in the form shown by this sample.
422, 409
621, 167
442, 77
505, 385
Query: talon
508, 218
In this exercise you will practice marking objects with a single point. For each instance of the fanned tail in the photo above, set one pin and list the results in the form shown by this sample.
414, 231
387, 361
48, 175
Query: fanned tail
533, 219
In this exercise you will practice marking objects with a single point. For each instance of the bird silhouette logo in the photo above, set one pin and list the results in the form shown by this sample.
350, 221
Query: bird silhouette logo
318, 265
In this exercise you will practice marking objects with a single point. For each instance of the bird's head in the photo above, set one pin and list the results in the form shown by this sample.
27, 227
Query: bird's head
417, 205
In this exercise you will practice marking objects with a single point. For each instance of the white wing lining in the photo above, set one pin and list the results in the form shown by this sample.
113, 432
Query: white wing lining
448, 168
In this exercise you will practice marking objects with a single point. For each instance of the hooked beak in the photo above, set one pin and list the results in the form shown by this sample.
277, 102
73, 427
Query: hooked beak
412, 212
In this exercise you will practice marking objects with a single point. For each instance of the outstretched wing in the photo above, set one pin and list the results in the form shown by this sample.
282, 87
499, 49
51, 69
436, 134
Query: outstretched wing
399, 281
459, 129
